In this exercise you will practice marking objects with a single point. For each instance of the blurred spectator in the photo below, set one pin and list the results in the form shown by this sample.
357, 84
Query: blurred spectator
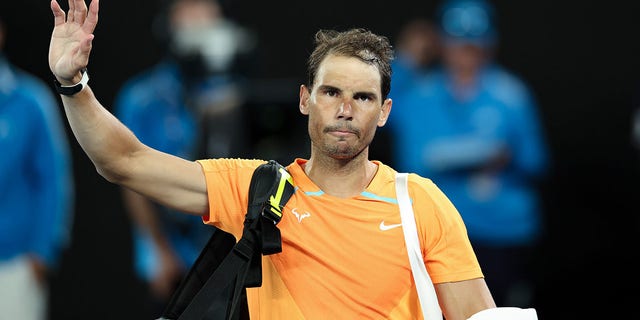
473, 128
196, 91
417, 49
36, 190
416, 52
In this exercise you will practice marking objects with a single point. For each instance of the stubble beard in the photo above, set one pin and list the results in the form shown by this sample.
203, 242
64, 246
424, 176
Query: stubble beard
342, 149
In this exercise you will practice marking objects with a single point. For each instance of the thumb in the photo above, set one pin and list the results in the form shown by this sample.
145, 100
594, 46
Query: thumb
85, 47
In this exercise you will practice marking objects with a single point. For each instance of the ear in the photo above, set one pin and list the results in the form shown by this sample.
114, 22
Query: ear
384, 112
305, 95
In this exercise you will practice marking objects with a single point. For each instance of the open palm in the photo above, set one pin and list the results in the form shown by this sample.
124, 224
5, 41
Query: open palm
71, 39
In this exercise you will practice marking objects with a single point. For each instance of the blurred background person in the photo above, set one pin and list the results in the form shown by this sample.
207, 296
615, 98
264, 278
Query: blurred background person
417, 50
36, 190
189, 105
472, 127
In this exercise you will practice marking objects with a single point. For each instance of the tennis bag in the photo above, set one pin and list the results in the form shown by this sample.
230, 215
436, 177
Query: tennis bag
214, 287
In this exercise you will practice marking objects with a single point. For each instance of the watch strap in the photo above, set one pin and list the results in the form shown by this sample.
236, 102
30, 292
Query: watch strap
73, 89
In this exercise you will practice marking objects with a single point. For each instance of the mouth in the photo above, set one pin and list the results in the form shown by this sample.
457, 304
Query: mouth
341, 132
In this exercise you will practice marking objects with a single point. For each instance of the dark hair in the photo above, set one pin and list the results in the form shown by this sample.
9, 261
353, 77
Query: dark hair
359, 43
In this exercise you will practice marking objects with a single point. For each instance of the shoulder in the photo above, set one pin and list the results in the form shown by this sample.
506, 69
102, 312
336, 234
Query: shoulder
506, 86
419, 186
34, 88
427, 196
431, 83
429, 86
35, 96
229, 164
147, 84
228, 178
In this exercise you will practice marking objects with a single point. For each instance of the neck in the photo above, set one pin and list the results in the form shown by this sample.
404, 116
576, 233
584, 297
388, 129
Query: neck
341, 178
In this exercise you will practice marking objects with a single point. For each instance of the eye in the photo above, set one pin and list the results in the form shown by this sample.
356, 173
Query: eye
363, 97
331, 92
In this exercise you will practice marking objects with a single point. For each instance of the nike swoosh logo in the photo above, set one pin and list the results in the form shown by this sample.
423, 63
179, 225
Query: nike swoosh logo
385, 227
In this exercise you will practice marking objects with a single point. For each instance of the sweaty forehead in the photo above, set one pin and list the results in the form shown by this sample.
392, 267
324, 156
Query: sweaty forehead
348, 73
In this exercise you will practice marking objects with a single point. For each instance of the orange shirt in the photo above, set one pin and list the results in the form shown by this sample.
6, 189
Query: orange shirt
343, 258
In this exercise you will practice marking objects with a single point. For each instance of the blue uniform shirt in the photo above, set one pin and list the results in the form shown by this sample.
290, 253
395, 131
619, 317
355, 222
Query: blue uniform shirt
453, 141
36, 173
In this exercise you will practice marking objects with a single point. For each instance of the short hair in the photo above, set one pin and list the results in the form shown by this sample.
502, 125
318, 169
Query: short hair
358, 43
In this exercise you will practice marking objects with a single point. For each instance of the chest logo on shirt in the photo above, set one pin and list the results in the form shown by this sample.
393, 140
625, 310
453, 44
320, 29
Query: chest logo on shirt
300, 216
385, 227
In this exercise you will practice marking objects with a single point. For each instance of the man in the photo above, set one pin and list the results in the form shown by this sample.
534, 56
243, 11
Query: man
336, 262
417, 51
472, 127
36, 190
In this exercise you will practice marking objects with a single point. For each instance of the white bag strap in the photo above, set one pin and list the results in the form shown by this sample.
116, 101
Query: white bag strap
426, 291
506, 313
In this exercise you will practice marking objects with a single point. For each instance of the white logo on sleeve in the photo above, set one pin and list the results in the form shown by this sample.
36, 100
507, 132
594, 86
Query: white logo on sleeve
300, 216
385, 227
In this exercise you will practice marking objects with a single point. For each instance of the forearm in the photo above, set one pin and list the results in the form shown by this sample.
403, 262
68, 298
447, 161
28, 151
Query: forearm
106, 141
460, 300
462, 153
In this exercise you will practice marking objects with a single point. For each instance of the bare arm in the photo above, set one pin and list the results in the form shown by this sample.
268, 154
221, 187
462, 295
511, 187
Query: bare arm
114, 150
460, 300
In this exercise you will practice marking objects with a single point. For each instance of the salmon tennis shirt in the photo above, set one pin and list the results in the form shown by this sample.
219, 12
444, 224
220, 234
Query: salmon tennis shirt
343, 258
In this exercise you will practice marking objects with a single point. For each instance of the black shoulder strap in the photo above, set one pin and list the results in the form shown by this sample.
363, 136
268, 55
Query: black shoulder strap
215, 284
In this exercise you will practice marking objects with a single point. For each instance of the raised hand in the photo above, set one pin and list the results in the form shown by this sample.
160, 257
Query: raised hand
71, 39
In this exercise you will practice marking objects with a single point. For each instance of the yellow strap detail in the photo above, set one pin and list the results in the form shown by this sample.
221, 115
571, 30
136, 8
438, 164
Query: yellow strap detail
275, 201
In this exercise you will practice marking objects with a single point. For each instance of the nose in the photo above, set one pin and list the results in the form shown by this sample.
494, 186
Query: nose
345, 110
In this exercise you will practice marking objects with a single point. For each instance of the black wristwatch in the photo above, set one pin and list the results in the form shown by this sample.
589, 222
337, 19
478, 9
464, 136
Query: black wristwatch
73, 89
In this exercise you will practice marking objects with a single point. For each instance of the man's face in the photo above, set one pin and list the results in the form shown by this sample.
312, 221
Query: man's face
344, 107
194, 14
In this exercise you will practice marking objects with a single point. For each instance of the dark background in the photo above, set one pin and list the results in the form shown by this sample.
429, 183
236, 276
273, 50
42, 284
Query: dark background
581, 60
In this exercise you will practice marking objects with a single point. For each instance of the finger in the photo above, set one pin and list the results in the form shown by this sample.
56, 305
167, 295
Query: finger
80, 12
58, 13
92, 19
72, 10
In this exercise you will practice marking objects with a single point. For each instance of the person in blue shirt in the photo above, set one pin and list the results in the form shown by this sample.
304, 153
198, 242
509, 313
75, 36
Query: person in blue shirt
417, 50
36, 191
188, 105
473, 128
